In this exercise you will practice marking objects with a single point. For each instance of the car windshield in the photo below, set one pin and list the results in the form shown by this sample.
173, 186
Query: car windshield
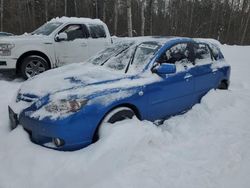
47, 28
126, 56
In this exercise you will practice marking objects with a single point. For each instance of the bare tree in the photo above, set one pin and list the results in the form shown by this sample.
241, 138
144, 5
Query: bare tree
245, 29
65, 7
75, 5
46, 9
150, 7
104, 11
143, 4
2, 3
116, 16
129, 18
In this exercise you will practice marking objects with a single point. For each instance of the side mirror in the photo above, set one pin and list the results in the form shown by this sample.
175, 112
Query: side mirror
165, 68
61, 37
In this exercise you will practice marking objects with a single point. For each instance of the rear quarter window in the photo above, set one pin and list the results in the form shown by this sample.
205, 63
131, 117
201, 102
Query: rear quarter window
97, 31
216, 52
202, 54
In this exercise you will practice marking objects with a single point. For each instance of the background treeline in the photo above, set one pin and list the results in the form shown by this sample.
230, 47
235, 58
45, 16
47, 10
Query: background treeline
226, 20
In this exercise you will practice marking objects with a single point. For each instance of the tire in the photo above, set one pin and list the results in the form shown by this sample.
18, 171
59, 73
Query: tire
32, 66
118, 114
223, 85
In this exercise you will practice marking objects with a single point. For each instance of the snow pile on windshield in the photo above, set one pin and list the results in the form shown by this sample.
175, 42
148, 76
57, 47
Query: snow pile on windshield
207, 147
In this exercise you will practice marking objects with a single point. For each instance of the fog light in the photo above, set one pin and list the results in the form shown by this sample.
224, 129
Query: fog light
58, 142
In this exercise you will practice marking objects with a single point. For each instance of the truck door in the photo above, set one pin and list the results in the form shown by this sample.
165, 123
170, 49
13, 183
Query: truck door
75, 48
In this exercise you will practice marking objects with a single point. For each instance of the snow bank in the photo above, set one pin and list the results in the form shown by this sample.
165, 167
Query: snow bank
207, 147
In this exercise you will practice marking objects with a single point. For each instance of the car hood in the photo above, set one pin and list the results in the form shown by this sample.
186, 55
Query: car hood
67, 78
24, 37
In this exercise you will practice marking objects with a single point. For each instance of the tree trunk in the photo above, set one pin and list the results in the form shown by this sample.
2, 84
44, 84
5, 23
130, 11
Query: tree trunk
116, 16
2, 4
143, 18
104, 11
96, 9
191, 17
129, 18
230, 20
245, 29
46, 10
75, 5
151, 17
65, 7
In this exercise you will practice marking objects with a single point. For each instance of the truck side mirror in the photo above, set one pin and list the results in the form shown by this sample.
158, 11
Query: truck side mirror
61, 37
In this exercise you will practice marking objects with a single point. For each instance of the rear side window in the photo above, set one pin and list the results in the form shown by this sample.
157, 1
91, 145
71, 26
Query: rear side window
216, 52
202, 54
97, 31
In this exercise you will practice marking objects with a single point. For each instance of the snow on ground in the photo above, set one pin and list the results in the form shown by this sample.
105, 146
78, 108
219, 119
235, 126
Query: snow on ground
207, 147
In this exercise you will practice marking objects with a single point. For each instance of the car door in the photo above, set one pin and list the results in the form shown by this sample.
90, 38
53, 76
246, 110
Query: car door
173, 93
75, 48
98, 39
206, 77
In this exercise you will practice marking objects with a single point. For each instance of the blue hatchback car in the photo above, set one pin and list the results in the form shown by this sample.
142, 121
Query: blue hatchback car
151, 78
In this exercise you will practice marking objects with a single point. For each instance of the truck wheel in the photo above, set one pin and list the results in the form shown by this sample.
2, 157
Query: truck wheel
33, 65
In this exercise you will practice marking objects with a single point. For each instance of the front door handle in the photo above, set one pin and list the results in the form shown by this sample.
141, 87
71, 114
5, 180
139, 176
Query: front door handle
84, 44
214, 71
188, 76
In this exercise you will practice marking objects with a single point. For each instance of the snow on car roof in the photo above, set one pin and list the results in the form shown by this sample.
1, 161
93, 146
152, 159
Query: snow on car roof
160, 39
65, 19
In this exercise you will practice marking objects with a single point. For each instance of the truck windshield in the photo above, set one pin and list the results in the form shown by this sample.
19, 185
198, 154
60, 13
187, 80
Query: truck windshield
47, 28
126, 55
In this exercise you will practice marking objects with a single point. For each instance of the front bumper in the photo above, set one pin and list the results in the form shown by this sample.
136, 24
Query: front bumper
7, 62
76, 131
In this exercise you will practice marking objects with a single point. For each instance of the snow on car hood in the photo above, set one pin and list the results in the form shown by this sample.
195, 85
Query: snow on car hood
68, 77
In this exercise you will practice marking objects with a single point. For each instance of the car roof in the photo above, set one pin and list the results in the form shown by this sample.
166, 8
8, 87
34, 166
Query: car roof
159, 39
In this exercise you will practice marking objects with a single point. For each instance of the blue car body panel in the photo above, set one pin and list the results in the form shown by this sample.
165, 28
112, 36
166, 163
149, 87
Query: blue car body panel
170, 95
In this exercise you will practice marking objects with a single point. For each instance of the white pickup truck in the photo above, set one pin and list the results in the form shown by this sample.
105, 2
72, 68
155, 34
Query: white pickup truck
58, 42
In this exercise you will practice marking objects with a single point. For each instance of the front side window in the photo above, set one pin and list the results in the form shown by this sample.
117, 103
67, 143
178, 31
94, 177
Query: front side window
182, 55
202, 54
47, 28
97, 31
74, 32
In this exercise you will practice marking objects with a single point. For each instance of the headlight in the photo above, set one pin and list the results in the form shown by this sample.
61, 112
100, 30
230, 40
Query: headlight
66, 106
5, 49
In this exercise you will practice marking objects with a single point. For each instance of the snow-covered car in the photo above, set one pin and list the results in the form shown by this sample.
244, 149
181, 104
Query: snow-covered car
5, 34
152, 78
58, 42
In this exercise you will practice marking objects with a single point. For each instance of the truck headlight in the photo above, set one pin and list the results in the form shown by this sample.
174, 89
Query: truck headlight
5, 49
66, 106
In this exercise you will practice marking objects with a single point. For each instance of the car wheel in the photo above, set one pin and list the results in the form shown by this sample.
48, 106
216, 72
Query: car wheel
118, 114
33, 65
223, 85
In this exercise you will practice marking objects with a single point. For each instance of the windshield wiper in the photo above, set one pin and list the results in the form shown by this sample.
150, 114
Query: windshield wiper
132, 58
114, 55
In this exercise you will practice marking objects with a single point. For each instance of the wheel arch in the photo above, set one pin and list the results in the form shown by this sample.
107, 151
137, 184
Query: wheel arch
223, 84
29, 53
128, 105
